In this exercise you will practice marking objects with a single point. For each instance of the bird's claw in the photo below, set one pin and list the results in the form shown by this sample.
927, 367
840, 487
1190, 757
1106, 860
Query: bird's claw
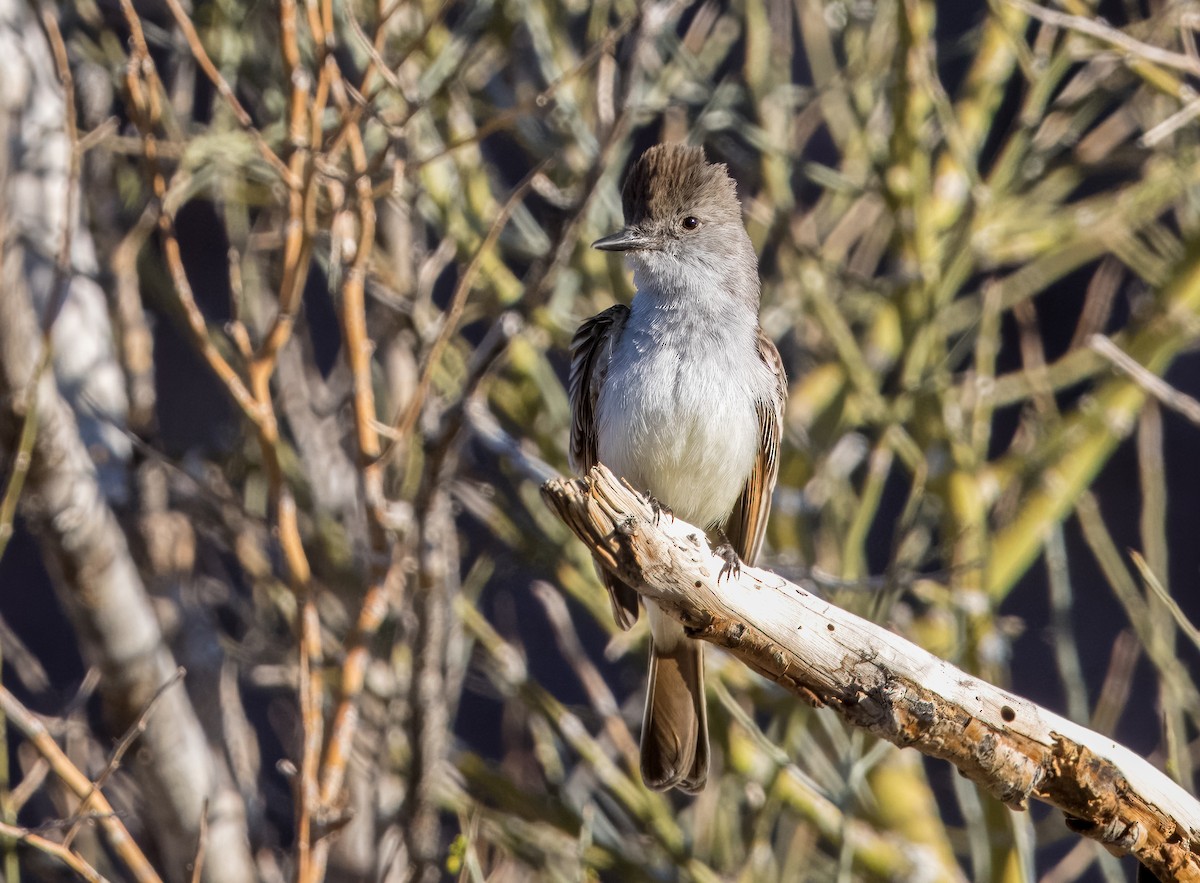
658, 507
732, 568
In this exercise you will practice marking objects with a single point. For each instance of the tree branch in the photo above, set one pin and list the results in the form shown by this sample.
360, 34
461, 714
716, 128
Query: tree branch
879, 681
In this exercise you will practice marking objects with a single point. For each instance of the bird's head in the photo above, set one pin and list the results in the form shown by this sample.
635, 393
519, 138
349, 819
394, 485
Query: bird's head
683, 220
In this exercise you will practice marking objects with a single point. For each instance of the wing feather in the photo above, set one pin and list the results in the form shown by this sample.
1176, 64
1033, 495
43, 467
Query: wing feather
747, 523
591, 351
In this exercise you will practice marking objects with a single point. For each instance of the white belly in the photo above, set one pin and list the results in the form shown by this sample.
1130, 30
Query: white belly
677, 422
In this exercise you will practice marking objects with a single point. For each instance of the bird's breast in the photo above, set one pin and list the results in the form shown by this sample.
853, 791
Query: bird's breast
679, 418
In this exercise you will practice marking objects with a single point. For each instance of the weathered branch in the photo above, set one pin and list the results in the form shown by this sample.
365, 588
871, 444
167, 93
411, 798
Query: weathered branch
879, 681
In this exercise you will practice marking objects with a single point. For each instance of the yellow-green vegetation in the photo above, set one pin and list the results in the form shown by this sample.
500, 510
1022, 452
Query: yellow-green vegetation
925, 193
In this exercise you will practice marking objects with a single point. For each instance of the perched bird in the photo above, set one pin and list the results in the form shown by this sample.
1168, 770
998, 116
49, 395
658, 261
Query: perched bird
681, 394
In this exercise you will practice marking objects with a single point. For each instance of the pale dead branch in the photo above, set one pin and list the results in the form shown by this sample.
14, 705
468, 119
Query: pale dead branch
885, 684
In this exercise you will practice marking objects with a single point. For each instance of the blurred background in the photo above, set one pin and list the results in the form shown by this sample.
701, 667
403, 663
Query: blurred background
287, 292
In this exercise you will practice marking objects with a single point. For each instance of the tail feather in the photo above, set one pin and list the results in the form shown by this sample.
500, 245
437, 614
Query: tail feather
675, 727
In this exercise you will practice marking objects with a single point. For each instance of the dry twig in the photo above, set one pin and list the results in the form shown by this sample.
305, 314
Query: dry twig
83, 788
136, 729
64, 854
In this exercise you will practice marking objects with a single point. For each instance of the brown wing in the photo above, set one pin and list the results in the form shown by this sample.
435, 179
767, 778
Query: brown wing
747, 523
591, 350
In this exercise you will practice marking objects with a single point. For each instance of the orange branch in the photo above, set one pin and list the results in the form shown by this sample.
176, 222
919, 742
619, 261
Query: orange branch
84, 788
72, 860
225, 91
142, 81
359, 349
302, 122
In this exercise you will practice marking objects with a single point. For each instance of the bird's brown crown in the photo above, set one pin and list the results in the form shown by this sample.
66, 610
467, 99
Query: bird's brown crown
671, 179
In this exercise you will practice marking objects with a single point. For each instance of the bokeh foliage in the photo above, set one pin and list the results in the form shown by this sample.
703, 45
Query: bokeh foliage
955, 211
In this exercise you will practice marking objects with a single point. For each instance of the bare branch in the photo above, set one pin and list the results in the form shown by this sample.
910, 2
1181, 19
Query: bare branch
72, 860
136, 729
1097, 29
81, 785
885, 684
1147, 380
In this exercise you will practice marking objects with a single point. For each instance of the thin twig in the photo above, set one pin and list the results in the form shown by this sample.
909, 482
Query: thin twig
226, 92
598, 692
144, 91
303, 125
22, 457
35, 776
405, 421
1106, 33
1149, 381
1171, 124
312, 728
485, 427
64, 854
21, 659
135, 340
373, 608
541, 103
1160, 594
123, 745
118, 836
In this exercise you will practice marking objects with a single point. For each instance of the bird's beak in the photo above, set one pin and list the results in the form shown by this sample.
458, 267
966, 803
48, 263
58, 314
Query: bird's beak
628, 239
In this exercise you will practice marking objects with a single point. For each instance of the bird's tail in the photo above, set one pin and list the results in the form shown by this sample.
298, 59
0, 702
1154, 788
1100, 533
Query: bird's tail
675, 726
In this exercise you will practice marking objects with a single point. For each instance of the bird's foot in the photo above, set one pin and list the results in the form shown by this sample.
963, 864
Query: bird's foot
658, 507
732, 569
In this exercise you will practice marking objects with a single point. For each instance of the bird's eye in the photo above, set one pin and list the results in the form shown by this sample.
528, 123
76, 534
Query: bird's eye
690, 223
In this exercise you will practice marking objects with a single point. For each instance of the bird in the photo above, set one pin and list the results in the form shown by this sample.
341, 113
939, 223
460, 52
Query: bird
681, 393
